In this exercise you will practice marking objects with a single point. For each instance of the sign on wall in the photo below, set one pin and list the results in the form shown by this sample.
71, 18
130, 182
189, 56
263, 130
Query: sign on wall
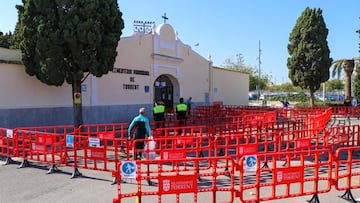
131, 85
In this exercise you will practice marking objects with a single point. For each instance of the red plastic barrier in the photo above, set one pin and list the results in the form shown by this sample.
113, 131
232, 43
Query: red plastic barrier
182, 147
318, 121
343, 136
346, 111
8, 145
95, 147
42, 144
347, 175
107, 131
113, 136
284, 125
300, 140
237, 145
181, 131
100, 153
175, 185
42, 147
259, 119
298, 178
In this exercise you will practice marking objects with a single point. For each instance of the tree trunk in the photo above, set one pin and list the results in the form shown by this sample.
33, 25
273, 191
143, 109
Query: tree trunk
77, 102
348, 70
312, 98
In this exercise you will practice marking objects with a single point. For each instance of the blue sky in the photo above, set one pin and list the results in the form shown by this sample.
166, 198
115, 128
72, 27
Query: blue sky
226, 28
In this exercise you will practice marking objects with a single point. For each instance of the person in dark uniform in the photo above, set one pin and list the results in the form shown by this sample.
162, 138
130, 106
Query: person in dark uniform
189, 103
142, 131
347, 101
181, 111
159, 114
285, 103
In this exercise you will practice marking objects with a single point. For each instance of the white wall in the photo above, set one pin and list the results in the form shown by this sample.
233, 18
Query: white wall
158, 53
230, 87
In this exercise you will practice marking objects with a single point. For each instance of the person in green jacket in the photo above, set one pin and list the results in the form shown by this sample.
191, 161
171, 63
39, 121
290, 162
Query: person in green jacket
181, 112
159, 114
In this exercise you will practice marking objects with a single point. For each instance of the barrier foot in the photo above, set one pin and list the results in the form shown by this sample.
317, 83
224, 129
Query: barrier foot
76, 173
265, 165
52, 169
150, 183
314, 199
114, 181
228, 174
24, 163
8, 161
348, 196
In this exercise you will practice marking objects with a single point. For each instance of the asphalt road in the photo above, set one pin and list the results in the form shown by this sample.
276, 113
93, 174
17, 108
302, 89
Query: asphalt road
32, 184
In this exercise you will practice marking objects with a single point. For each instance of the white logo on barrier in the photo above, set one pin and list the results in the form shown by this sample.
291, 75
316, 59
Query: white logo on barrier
241, 150
70, 141
251, 163
149, 152
94, 142
9, 133
166, 155
128, 169
166, 185
279, 176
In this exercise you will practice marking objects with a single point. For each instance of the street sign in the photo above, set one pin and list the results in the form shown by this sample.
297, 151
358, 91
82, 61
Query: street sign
250, 163
128, 169
70, 141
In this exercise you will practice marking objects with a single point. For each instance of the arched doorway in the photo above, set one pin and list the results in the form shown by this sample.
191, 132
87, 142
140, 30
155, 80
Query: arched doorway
164, 88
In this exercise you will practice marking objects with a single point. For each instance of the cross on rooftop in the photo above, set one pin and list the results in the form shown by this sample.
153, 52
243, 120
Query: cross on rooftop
165, 18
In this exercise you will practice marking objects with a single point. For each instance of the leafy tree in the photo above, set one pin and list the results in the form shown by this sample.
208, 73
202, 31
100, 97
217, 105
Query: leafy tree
309, 59
63, 40
348, 65
333, 85
357, 75
16, 38
253, 72
5, 40
285, 87
356, 82
358, 31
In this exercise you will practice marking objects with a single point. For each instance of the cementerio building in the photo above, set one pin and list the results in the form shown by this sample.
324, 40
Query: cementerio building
150, 66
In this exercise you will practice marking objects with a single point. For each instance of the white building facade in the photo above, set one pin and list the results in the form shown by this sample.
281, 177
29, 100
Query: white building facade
149, 67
